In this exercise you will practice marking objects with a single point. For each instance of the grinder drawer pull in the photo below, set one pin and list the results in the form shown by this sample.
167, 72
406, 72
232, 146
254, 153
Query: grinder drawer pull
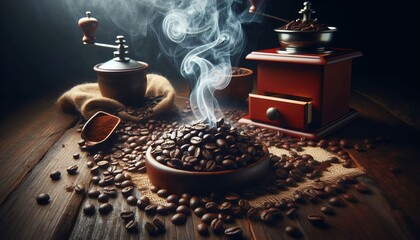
272, 114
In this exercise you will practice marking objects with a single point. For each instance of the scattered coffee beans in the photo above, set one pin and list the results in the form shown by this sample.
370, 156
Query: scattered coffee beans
105, 208
293, 231
72, 170
179, 219
43, 199
56, 175
132, 226
89, 209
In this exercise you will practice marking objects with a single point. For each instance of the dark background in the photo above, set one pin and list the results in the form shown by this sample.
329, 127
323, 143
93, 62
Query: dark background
41, 47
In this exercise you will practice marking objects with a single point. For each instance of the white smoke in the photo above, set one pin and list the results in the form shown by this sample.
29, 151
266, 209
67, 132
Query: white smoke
201, 36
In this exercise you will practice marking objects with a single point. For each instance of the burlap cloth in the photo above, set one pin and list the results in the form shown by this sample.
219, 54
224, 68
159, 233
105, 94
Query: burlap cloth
87, 99
330, 175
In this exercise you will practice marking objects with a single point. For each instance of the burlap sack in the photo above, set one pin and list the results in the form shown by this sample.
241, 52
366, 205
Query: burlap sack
87, 99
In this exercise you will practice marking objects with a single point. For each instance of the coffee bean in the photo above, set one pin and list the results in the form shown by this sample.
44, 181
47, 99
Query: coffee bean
93, 193
151, 209
95, 170
217, 226
196, 140
172, 198
72, 170
244, 204
362, 188
95, 180
200, 211
162, 210
127, 191
105, 208
327, 210
56, 175
103, 164
184, 210
211, 207
150, 228
207, 218
89, 209
233, 232
127, 215
267, 217
160, 226
171, 207
316, 220
350, 197
103, 198
111, 192
336, 201
143, 202
195, 202
163, 193
179, 219
132, 200
226, 218
203, 229
252, 213
43, 199
80, 189
293, 231
127, 183
132, 226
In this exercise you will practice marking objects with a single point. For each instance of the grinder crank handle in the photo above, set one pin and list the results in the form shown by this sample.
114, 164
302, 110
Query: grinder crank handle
254, 5
88, 25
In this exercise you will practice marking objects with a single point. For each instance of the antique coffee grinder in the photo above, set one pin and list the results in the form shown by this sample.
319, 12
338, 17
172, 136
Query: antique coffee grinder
120, 78
303, 87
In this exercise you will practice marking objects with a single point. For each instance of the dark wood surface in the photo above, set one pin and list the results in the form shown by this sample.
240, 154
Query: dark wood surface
39, 138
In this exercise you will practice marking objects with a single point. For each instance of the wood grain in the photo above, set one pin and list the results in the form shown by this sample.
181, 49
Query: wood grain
23, 218
25, 137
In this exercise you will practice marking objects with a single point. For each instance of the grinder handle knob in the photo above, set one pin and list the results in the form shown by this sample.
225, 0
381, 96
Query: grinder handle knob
88, 26
272, 114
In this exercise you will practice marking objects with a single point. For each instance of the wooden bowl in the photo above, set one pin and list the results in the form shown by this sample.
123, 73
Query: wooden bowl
182, 181
239, 87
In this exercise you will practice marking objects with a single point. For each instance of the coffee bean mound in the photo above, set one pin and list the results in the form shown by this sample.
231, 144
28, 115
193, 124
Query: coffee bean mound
238, 71
199, 147
308, 25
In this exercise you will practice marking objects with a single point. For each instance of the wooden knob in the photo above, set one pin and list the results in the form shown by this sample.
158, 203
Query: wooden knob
254, 5
88, 26
272, 114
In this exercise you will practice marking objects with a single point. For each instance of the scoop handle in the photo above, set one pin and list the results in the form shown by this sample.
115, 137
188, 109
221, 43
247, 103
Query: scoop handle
88, 25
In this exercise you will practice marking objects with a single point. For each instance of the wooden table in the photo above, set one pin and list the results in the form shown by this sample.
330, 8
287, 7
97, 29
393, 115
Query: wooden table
39, 138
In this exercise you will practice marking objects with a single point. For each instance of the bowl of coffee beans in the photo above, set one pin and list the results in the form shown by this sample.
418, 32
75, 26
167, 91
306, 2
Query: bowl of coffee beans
199, 158
305, 35
241, 84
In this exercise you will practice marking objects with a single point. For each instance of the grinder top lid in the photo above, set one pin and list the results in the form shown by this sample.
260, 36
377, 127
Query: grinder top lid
121, 62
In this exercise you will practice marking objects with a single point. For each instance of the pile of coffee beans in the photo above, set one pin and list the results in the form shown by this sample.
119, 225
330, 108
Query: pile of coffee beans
238, 71
199, 147
308, 25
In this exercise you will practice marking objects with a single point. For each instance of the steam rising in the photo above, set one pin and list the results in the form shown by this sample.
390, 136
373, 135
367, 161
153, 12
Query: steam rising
202, 36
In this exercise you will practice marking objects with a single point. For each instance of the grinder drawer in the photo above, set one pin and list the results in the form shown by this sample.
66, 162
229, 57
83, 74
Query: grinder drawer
282, 112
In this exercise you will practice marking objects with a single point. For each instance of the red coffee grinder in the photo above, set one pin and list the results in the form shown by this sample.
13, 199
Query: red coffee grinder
303, 87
